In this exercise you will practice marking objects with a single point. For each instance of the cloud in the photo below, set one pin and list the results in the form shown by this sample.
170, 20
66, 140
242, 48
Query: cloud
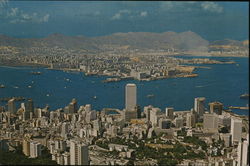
211, 7
191, 6
3, 3
15, 15
144, 14
128, 14
120, 14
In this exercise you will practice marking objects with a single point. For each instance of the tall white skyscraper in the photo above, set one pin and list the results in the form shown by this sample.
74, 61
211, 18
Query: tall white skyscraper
130, 96
243, 153
199, 106
79, 153
236, 129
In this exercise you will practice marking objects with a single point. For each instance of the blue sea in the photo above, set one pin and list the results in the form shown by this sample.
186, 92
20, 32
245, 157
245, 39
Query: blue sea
223, 82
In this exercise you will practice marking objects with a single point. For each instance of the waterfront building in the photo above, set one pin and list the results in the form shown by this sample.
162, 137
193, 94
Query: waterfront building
12, 106
199, 106
29, 107
79, 154
216, 107
170, 112
236, 129
210, 121
72, 107
35, 149
130, 96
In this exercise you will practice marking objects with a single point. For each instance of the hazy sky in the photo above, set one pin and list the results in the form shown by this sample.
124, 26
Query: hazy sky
211, 20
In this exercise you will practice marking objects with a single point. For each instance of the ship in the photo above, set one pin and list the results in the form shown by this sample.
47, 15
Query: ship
244, 96
150, 95
36, 72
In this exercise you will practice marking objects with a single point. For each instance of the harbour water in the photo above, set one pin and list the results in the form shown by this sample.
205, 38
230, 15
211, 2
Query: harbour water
222, 82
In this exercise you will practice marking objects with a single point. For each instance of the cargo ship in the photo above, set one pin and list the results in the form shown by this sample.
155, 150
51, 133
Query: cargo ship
244, 96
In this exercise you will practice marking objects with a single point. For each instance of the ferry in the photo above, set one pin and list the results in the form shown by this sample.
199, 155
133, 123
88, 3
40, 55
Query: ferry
150, 95
244, 96
36, 72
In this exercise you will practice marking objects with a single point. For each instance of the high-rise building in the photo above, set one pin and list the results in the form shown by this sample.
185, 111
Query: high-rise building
29, 107
65, 130
164, 123
79, 154
72, 107
199, 106
210, 121
170, 112
130, 98
216, 107
179, 122
236, 129
26, 147
12, 106
190, 121
129, 114
35, 149
243, 153
138, 110
153, 116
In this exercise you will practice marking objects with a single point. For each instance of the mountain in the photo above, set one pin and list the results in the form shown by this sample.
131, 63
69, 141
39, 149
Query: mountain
228, 44
184, 41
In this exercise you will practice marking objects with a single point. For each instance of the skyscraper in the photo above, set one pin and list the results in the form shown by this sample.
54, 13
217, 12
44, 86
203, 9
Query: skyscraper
12, 106
29, 106
216, 107
236, 129
242, 153
72, 106
210, 121
170, 112
35, 149
199, 106
65, 130
130, 98
190, 121
79, 153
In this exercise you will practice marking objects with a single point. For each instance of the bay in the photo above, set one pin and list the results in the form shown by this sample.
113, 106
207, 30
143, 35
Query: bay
223, 83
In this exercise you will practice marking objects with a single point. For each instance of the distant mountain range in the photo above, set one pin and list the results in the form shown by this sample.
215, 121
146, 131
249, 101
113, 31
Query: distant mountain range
185, 41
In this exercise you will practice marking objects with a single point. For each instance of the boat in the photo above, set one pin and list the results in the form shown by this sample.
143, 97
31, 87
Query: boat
2, 86
47, 95
95, 97
16, 87
36, 72
150, 95
29, 86
244, 96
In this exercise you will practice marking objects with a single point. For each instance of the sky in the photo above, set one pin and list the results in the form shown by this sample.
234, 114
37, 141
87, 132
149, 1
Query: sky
211, 20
